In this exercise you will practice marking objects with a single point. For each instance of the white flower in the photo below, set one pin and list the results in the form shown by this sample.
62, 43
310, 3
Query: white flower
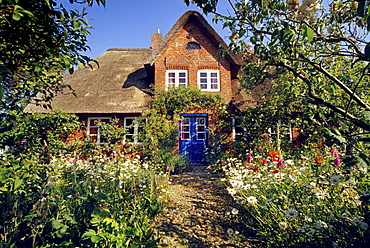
310, 233
230, 231
321, 224
289, 162
363, 225
293, 178
308, 219
335, 180
234, 211
291, 213
251, 199
231, 191
283, 225
279, 175
301, 230
335, 244
356, 222
321, 194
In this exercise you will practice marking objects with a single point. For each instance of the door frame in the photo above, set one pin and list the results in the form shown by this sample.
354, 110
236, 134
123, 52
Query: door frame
193, 140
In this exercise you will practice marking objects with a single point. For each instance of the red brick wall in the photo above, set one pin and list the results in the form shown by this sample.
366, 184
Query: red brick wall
176, 57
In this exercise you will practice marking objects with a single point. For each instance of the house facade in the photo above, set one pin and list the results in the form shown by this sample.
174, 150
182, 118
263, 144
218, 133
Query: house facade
118, 86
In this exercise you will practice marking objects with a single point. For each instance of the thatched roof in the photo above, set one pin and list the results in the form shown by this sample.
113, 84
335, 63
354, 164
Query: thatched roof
194, 16
112, 87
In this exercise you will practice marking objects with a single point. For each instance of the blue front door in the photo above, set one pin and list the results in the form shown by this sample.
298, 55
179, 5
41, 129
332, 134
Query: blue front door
193, 136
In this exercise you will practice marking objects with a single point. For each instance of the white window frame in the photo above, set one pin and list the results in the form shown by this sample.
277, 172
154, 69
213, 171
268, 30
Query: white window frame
176, 78
208, 78
237, 127
134, 135
89, 126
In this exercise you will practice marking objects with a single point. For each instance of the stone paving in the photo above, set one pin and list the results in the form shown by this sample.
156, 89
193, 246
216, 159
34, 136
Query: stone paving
199, 214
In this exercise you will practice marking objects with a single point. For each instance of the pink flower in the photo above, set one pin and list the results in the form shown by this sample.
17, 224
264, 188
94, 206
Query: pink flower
281, 164
168, 168
335, 154
249, 158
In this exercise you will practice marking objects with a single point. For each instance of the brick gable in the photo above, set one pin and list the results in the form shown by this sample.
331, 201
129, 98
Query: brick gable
175, 56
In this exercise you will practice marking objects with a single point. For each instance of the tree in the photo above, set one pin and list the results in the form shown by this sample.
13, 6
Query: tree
322, 45
40, 40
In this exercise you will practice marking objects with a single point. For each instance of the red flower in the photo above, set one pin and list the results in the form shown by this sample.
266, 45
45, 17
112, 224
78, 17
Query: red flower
319, 159
263, 161
274, 155
275, 171
255, 169
248, 166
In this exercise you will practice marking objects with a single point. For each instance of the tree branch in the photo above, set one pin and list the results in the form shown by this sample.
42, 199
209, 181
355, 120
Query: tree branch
355, 97
319, 101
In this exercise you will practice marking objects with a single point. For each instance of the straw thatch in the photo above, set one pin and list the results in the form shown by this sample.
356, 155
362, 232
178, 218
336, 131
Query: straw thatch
119, 82
112, 87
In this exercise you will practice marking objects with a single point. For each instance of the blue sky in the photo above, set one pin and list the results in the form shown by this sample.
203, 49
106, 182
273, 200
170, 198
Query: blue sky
130, 23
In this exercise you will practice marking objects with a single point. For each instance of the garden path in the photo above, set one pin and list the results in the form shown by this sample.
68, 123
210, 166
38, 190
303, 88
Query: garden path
199, 214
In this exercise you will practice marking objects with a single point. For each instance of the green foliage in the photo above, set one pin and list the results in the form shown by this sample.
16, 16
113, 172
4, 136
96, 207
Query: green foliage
162, 119
37, 134
75, 203
307, 48
306, 201
40, 41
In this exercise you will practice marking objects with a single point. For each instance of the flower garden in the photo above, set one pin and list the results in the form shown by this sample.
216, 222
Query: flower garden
302, 201
102, 202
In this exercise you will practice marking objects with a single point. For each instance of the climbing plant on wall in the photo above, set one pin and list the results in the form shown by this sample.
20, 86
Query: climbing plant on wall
164, 115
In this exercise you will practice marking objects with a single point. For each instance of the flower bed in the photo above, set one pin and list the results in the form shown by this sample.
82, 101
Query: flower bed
301, 202
76, 203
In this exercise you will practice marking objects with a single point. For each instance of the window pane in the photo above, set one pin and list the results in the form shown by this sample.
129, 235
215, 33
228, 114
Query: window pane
93, 122
201, 129
214, 74
203, 74
201, 121
129, 138
129, 122
201, 136
182, 74
94, 130
104, 121
185, 136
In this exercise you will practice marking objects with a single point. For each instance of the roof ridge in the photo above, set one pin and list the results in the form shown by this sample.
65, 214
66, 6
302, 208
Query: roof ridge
128, 49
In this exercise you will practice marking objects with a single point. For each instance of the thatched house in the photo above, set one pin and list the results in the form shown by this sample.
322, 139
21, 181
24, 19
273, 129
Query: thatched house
187, 55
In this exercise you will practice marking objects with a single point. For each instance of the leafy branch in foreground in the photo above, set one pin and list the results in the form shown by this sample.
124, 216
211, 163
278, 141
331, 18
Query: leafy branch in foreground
322, 48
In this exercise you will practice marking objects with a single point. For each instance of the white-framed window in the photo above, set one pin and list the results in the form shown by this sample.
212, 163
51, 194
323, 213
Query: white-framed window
185, 129
133, 126
93, 130
209, 80
239, 131
176, 78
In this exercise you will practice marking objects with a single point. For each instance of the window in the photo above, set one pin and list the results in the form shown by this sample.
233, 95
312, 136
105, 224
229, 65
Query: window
93, 130
201, 128
209, 80
133, 126
239, 131
176, 78
185, 129
192, 45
